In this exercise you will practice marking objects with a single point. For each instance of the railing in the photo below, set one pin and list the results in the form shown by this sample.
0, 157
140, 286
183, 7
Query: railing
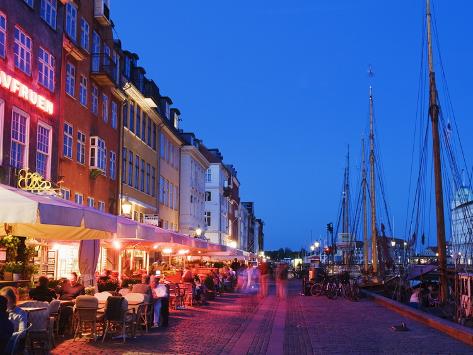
102, 64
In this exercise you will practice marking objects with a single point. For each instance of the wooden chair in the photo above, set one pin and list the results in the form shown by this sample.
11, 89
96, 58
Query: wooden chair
188, 296
86, 315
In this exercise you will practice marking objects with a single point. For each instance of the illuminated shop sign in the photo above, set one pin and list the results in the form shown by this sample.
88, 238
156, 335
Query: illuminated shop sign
10, 83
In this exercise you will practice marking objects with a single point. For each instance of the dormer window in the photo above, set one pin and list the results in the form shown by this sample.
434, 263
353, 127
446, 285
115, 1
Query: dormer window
167, 110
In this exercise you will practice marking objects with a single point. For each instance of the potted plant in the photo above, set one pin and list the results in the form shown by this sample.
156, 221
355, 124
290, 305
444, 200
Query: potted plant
15, 268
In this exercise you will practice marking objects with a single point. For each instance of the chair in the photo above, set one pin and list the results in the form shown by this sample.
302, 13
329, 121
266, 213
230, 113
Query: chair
175, 296
86, 313
117, 316
138, 300
188, 296
14, 342
53, 309
41, 329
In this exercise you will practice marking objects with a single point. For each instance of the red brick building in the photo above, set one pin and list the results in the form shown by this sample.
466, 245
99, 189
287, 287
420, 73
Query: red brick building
90, 106
30, 58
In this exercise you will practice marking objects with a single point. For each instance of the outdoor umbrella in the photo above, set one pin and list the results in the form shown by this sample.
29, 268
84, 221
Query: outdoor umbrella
49, 217
88, 256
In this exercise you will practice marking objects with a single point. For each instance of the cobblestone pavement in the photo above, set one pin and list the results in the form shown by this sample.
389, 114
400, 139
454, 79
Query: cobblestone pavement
242, 324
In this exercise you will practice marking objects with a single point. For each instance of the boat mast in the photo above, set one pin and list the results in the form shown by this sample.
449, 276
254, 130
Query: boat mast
434, 116
374, 237
365, 220
346, 222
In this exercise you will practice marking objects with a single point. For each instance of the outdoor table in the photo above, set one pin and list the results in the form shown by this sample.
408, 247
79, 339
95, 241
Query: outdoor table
133, 306
33, 309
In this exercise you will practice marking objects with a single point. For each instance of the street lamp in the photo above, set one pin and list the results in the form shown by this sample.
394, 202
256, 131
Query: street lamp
312, 248
126, 207
198, 232
393, 243
316, 244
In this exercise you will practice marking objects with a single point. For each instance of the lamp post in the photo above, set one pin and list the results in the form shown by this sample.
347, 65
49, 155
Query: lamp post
198, 232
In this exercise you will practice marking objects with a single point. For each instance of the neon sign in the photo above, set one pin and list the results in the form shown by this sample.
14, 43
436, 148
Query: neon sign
16, 87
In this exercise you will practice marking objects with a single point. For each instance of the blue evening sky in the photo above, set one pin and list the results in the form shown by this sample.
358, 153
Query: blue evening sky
280, 87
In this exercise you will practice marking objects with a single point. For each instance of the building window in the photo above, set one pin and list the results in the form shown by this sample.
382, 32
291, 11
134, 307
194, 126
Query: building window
66, 194
22, 48
132, 117
83, 90
166, 192
208, 218
114, 114
67, 143
95, 51
142, 177
153, 181
105, 108
161, 189
71, 20
208, 176
124, 153
171, 195
148, 177
208, 196
19, 139
78, 198
48, 12
125, 114
154, 135
130, 168
29, 2
46, 66
90, 202
98, 154
143, 128
113, 165
3, 34
148, 140
137, 172
95, 99
43, 150
176, 198
138, 121
70, 78
101, 206
84, 34
162, 146
80, 152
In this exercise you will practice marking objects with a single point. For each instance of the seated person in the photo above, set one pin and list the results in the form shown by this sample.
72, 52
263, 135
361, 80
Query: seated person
6, 327
70, 290
143, 287
159, 293
42, 292
17, 316
187, 276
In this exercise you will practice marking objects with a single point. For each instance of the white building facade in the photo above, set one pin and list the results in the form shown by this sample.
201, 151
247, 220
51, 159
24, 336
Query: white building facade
243, 227
192, 186
216, 203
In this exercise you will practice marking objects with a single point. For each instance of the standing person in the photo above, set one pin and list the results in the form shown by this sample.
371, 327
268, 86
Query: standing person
281, 280
17, 316
42, 292
6, 327
159, 292
264, 271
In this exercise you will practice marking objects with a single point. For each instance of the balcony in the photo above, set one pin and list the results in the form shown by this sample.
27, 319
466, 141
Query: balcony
103, 69
102, 12
71, 48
